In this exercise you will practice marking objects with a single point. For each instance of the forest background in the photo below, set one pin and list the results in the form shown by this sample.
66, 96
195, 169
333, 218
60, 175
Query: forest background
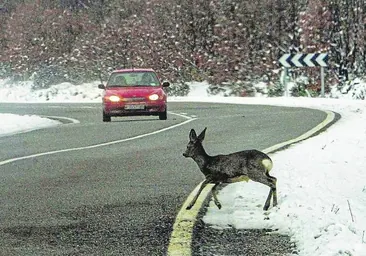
234, 43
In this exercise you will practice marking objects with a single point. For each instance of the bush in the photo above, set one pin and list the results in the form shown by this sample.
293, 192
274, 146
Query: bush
51, 75
276, 90
47, 76
243, 89
217, 90
5, 70
180, 89
238, 89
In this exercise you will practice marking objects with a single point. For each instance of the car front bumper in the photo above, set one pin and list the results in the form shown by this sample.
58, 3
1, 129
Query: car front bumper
137, 108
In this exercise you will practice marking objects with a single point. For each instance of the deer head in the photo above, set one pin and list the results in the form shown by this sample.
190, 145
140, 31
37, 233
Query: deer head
194, 146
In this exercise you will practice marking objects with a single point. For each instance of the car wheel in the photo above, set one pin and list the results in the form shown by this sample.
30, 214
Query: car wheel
106, 118
163, 115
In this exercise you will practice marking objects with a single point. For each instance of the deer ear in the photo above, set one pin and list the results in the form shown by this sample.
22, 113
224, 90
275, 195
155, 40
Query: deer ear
202, 135
192, 135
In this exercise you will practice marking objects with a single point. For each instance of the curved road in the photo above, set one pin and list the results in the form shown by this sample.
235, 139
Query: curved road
94, 188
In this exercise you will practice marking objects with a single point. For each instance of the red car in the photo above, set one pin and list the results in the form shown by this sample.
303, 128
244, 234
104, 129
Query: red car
132, 92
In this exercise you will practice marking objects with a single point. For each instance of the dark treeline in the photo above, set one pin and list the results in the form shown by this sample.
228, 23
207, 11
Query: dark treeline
222, 41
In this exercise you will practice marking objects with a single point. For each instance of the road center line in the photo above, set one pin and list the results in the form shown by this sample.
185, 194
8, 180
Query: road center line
63, 119
189, 119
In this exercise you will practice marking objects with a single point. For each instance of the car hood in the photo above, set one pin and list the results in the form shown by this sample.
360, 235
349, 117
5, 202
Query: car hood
131, 92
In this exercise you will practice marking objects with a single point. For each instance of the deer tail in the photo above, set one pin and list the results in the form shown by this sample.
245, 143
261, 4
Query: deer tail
267, 163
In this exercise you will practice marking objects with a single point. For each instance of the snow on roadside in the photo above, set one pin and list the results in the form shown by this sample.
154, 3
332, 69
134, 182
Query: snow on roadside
12, 124
64, 92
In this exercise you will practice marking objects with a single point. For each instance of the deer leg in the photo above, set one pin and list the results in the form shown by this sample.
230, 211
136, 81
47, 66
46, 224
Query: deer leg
204, 183
272, 192
273, 188
270, 181
214, 195
268, 200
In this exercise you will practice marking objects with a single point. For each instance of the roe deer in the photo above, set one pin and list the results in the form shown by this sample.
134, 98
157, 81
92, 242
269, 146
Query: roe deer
234, 167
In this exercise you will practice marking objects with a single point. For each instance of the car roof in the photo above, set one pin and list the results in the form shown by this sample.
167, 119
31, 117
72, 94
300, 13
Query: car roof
133, 70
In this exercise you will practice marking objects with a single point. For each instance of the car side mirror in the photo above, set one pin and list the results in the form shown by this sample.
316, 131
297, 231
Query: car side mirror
101, 86
166, 84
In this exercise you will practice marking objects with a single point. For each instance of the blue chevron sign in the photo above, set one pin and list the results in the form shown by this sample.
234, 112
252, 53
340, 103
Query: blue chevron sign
304, 60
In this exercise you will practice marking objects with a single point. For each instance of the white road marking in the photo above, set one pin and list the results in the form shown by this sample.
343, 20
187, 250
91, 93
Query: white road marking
189, 119
72, 120
184, 115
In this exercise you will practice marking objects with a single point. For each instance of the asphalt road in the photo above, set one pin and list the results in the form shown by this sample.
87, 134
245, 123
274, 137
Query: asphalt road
121, 198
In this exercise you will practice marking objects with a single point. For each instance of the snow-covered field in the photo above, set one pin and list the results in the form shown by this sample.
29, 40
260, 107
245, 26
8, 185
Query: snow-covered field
321, 181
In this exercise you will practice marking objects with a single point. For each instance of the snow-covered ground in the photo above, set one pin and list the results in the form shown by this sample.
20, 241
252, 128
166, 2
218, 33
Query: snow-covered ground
321, 181
12, 124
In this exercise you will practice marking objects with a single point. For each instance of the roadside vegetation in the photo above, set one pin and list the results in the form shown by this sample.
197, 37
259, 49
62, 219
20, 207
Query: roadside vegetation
225, 42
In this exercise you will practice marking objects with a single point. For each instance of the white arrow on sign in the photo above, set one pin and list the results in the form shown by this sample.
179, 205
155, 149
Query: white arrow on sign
308, 61
321, 58
296, 61
283, 60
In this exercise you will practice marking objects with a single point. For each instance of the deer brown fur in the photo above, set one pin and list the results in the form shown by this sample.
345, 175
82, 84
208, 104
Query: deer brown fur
244, 165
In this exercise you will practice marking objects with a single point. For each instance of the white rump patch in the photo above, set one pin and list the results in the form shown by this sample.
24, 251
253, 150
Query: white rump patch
267, 163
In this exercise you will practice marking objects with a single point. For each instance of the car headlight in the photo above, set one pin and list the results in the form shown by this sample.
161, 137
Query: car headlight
154, 97
114, 98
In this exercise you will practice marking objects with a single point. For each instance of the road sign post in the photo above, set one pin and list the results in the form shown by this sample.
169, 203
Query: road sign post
322, 81
289, 60
283, 80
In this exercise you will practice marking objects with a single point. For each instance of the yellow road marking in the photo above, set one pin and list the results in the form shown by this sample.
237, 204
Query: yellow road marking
330, 117
181, 237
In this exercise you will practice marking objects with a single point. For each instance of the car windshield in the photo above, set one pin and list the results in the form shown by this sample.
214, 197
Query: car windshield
124, 79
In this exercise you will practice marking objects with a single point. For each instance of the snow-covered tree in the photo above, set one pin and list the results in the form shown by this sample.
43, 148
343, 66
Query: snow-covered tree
230, 42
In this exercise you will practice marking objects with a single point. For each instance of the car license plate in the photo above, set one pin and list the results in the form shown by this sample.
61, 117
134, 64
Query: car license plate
135, 106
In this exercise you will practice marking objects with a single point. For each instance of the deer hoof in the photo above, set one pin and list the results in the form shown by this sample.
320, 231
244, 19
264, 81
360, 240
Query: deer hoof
218, 205
189, 207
